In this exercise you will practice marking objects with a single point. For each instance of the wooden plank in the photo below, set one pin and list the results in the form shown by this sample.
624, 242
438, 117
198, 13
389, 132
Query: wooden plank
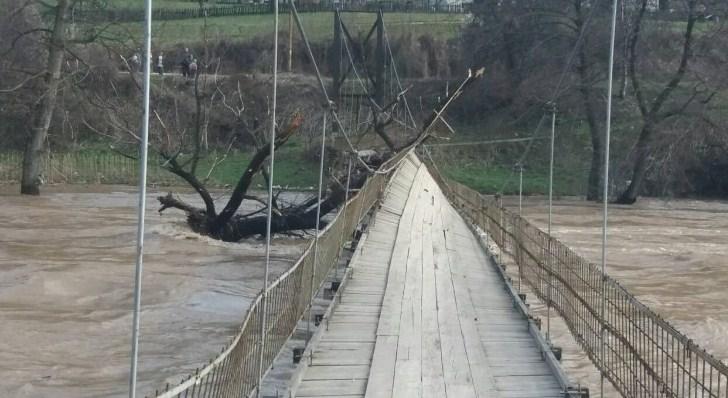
381, 377
331, 388
337, 372
391, 305
341, 360
381, 374
433, 379
425, 313
458, 378
408, 368
514, 361
483, 381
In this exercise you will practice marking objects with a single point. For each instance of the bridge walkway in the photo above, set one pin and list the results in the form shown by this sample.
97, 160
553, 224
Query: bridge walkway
425, 313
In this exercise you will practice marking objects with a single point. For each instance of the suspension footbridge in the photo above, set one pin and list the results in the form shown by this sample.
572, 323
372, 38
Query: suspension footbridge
426, 312
424, 309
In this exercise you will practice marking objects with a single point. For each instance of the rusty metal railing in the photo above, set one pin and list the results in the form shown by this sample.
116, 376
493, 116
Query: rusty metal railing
644, 355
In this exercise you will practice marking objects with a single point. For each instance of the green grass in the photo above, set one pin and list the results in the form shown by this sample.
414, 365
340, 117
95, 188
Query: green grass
493, 179
292, 168
99, 165
318, 26
488, 168
165, 4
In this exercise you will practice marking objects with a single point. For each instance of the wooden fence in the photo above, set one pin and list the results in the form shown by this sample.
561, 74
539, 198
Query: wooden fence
89, 168
238, 9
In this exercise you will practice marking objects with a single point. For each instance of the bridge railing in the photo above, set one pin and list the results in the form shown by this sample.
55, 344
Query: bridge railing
641, 353
235, 371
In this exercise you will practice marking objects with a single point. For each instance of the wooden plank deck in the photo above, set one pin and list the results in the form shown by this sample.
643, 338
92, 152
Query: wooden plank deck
425, 314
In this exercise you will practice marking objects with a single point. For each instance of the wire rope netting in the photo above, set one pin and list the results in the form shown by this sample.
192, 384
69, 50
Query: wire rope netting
645, 355
234, 372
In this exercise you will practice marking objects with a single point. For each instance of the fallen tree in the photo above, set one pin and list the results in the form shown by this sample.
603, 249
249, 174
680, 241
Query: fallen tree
230, 226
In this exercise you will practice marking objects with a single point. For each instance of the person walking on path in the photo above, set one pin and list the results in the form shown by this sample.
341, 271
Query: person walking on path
185, 63
193, 69
135, 63
160, 64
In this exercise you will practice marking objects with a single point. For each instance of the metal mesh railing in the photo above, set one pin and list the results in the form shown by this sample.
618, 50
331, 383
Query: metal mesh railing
641, 354
235, 372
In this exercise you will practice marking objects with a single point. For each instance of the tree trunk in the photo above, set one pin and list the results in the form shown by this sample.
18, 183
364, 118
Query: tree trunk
651, 112
594, 189
629, 196
238, 227
43, 112
585, 90
256, 163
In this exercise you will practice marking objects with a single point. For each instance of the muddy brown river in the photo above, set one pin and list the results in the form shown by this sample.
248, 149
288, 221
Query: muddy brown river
673, 255
66, 288
67, 265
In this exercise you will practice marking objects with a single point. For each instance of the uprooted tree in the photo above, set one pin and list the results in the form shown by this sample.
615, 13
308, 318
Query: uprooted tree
179, 128
227, 225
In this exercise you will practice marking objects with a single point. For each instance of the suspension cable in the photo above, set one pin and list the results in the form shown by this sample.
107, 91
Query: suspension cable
488, 142
142, 200
329, 103
269, 212
551, 200
396, 75
346, 204
605, 194
318, 225
525, 152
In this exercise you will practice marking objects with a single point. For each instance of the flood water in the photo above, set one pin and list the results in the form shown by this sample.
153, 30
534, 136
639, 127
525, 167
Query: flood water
673, 255
66, 292
67, 268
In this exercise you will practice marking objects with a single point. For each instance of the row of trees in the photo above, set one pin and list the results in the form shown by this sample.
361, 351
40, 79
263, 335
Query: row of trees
55, 69
671, 78
41, 55
670, 72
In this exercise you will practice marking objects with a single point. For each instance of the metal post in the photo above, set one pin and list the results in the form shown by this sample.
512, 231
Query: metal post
520, 214
142, 202
335, 59
379, 62
316, 237
346, 204
502, 230
605, 194
520, 189
549, 256
290, 40
269, 212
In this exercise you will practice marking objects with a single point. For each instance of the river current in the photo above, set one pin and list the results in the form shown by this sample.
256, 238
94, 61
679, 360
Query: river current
671, 254
66, 292
67, 267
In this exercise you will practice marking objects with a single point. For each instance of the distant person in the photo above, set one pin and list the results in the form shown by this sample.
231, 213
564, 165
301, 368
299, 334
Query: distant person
185, 63
184, 67
134, 62
160, 64
192, 72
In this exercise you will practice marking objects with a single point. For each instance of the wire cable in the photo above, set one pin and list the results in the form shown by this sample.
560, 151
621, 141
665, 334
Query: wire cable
269, 212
